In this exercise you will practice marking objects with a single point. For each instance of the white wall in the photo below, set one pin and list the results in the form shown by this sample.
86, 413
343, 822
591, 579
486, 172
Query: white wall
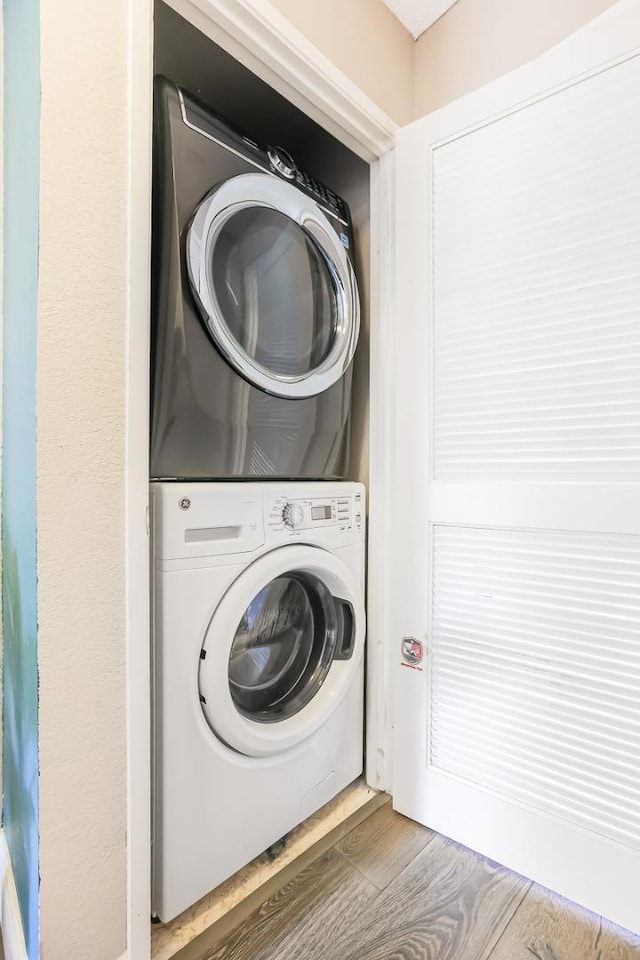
366, 41
80, 479
479, 40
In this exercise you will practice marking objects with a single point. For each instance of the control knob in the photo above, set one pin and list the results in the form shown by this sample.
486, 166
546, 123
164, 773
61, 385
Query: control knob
292, 515
282, 162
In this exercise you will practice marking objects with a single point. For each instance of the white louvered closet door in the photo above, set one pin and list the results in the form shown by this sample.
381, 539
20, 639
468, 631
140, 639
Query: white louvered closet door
518, 473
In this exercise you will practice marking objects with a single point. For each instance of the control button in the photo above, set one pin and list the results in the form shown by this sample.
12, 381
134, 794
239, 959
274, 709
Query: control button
282, 162
293, 515
358, 518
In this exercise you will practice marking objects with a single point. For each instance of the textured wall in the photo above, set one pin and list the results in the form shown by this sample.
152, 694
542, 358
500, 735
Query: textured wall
80, 483
366, 41
479, 40
20, 293
417, 15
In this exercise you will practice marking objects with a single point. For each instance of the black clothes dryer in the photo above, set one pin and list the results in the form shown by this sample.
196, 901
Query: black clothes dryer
255, 306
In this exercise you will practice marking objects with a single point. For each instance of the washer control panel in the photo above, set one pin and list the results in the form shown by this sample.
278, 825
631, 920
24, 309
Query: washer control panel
291, 515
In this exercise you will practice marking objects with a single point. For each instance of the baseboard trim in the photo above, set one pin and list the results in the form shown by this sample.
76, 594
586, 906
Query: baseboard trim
13, 940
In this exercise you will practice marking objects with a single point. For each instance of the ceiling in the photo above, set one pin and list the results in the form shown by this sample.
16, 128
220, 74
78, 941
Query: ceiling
417, 15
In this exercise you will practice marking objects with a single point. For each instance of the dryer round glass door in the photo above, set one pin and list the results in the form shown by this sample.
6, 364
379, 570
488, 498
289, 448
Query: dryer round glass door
274, 285
281, 650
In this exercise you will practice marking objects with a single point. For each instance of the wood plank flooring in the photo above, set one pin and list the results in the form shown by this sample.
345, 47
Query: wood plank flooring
383, 845
294, 921
546, 927
393, 890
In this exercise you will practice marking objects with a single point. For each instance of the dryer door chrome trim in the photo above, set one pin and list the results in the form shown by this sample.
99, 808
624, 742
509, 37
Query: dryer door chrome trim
250, 191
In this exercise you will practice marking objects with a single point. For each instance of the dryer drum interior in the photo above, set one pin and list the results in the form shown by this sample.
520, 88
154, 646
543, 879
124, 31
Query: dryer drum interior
254, 249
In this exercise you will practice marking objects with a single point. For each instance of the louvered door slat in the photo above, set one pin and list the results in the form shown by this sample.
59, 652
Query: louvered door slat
550, 218
518, 469
487, 586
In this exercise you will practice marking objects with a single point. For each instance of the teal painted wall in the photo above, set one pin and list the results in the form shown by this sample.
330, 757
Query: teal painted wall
20, 306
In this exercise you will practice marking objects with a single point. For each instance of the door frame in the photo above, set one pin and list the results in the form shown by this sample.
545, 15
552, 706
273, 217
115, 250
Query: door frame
257, 35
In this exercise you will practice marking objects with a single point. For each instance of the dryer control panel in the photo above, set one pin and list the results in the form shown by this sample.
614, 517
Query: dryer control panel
313, 513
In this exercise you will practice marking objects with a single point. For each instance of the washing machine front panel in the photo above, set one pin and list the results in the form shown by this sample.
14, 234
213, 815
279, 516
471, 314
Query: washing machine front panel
215, 547
281, 650
238, 388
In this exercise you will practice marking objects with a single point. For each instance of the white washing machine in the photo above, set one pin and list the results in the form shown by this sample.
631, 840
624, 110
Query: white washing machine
259, 629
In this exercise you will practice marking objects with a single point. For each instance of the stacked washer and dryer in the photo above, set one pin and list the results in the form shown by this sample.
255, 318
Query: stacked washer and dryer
258, 541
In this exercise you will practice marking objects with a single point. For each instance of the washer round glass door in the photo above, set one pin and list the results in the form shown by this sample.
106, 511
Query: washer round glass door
281, 650
274, 285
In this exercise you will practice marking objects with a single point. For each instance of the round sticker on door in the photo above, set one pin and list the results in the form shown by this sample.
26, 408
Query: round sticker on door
412, 650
